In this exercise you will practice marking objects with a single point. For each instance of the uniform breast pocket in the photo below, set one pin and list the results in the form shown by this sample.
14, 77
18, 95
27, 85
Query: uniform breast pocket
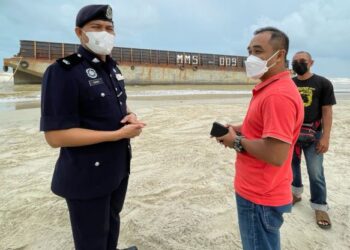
98, 99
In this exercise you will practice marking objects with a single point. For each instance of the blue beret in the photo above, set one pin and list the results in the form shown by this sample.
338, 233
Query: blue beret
93, 12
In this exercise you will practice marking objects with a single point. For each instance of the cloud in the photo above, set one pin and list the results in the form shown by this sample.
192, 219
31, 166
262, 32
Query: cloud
206, 26
316, 26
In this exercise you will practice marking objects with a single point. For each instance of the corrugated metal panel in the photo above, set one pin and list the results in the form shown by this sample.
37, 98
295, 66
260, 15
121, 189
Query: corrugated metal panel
133, 56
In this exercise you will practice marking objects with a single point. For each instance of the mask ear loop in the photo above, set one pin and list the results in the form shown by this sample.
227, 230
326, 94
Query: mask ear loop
84, 33
270, 59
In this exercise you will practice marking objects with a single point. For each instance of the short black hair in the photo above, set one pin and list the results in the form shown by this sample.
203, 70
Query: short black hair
304, 52
279, 39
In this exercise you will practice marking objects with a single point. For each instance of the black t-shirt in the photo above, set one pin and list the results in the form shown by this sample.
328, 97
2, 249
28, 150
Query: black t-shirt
316, 92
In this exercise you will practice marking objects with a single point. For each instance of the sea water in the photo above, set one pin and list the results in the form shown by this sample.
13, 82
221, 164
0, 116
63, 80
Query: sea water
22, 96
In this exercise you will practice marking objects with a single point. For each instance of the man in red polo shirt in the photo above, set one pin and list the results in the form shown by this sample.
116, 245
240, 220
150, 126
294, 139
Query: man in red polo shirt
265, 146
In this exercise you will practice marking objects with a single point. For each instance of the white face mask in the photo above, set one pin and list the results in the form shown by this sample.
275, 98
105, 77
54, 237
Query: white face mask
100, 42
256, 67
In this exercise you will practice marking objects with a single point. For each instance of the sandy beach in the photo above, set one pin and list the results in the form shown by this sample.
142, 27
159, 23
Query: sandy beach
180, 191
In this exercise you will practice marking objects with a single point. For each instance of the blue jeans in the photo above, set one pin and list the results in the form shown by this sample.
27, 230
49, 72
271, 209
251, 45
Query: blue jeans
314, 164
260, 225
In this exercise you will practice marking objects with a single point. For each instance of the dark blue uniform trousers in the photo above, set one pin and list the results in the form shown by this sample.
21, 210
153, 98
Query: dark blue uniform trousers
96, 222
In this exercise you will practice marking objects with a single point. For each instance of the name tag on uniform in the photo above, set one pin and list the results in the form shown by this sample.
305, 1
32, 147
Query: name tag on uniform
119, 77
95, 82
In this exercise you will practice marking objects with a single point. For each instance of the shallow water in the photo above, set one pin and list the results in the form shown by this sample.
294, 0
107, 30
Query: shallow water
13, 97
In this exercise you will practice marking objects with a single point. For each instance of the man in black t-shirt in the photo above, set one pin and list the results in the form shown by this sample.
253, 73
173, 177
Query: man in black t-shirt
318, 96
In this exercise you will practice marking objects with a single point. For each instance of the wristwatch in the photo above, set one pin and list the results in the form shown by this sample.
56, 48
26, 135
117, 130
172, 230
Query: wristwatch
237, 145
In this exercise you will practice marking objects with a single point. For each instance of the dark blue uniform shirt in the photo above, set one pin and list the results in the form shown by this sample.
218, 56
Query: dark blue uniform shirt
80, 91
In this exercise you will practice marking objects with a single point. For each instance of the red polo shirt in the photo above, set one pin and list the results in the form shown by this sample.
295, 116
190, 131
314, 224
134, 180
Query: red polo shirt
276, 110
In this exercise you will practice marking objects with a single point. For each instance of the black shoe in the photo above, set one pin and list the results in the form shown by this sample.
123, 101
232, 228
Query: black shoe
129, 248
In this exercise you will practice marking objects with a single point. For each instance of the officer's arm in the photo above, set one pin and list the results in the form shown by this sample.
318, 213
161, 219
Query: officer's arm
131, 118
75, 137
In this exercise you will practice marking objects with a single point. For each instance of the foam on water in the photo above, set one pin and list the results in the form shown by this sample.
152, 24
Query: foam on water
12, 94
341, 85
19, 99
6, 77
340, 80
187, 92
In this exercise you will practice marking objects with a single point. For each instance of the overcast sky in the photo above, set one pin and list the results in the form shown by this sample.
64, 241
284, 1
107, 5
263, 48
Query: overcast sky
321, 27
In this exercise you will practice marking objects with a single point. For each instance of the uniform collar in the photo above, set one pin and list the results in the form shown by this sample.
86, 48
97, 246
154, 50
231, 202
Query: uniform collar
270, 80
92, 58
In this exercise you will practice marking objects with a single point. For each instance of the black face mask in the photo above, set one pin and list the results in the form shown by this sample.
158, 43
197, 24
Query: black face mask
299, 67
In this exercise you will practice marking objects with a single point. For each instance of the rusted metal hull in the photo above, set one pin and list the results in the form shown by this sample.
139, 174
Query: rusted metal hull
139, 66
27, 70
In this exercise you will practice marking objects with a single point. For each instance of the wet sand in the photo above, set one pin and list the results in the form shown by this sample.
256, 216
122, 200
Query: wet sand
180, 194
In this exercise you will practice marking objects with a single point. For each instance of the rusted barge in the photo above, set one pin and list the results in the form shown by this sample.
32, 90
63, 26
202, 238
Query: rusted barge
139, 66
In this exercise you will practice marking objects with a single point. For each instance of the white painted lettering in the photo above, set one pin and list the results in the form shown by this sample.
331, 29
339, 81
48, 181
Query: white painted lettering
234, 61
179, 59
222, 61
195, 60
187, 59
228, 61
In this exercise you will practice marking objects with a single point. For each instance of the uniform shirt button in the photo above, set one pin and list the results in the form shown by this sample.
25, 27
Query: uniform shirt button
121, 103
97, 164
103, 94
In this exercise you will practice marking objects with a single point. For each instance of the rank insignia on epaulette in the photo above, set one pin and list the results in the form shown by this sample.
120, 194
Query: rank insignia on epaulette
66, 61
70, 61
96, 60
119, 77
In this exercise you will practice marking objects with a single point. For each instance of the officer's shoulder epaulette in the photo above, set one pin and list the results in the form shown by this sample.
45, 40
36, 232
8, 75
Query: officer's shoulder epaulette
70, 61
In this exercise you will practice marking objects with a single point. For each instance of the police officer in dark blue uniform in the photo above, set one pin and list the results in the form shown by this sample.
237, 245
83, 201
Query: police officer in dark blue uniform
84, 112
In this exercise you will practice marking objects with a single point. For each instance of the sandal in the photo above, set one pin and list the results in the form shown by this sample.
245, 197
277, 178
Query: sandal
322, 219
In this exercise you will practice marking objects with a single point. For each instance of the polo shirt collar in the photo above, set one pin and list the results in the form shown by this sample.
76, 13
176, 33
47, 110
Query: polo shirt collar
270, 80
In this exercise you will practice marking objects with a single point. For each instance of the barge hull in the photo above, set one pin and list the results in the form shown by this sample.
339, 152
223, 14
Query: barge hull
139, 66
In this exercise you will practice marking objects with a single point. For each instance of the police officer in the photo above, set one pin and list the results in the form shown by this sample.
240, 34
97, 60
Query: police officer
84, 112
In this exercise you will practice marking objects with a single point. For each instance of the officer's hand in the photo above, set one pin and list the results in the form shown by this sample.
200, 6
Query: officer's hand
131, 119
227, 139
132, 130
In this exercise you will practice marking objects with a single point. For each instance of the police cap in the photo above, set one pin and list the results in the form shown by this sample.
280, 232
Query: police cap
93, 12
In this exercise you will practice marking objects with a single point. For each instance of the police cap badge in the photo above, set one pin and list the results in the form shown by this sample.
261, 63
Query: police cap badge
93, 12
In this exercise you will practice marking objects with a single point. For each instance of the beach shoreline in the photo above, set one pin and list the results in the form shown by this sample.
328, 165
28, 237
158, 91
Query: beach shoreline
15, 97
180, 191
